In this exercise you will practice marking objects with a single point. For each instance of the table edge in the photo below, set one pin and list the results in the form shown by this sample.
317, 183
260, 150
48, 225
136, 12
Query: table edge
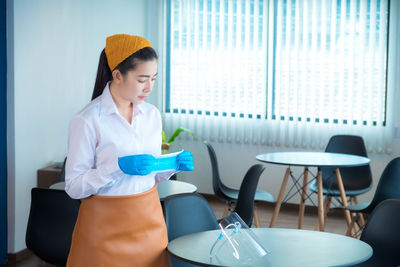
311, 165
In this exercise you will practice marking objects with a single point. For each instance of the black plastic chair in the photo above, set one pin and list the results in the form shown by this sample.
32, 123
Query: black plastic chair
51, 222
62, 177
356, 180
187, 214
228, 194
245, 203
388, 187
382, 233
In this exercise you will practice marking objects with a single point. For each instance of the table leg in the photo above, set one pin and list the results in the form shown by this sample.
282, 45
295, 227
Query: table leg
343, 195
321, 214
303, 198
280, 197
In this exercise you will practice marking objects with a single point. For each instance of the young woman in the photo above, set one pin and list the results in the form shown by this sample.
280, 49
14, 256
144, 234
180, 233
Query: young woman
120, 221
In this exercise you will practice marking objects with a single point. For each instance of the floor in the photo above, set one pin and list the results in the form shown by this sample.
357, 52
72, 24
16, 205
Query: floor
287, 218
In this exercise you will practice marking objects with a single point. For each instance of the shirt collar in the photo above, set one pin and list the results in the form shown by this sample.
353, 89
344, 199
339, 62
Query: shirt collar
109, 107
138, 109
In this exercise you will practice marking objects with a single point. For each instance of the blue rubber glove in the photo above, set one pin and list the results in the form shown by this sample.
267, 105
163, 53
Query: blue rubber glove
137, 164
185, 161
145, 164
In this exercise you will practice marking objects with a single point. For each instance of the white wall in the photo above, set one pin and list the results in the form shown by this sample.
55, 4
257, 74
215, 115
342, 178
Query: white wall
53, 48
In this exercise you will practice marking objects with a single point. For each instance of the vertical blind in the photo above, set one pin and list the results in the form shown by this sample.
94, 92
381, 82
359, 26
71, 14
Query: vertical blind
282, 72
218, 52
330, 61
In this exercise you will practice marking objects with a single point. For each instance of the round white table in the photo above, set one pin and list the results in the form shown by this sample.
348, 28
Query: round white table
165, 188
288, 247
312, 159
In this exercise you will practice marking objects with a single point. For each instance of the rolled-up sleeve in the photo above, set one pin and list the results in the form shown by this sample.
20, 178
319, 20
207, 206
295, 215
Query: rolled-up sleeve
82, 178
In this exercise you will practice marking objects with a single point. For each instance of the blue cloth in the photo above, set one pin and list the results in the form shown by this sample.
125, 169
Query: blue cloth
144, 164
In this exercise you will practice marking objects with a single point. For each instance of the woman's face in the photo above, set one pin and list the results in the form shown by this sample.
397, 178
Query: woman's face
137, 84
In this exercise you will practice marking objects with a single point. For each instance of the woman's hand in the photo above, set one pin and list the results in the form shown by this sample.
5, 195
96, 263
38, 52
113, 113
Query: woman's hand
185, 161
144, 164
137, 164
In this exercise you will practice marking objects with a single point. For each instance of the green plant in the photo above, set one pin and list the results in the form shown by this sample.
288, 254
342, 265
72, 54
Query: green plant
166, 144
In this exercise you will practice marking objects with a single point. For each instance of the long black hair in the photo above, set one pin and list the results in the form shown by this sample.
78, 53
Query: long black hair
104, 74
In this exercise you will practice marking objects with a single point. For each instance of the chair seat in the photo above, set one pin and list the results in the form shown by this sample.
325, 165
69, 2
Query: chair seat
261, 195
336, 193
243, 197
230, 193
354, 208
264, 196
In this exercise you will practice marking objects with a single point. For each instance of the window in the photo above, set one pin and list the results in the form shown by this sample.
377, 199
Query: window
333, 55
217, 58
295, 61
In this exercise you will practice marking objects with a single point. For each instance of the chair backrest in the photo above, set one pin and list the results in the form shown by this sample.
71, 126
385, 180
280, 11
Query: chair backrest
51, 222
388, 186
216, 180
354, 178
187, 214
62, 178
382, 233
245, 204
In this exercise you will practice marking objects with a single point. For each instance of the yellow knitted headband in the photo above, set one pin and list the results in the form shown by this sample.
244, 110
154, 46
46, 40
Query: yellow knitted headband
120, 46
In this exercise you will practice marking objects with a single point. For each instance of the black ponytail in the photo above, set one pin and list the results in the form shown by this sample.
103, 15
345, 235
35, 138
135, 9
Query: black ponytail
104, 73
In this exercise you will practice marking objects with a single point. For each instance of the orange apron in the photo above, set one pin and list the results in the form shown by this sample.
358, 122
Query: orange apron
120, 231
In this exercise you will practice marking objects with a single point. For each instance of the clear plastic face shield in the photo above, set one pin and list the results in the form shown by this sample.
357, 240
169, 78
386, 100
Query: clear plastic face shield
237, 245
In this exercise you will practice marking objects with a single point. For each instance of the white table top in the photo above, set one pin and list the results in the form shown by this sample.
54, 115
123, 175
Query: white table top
165, 189
313, 159
174, 187
288, 247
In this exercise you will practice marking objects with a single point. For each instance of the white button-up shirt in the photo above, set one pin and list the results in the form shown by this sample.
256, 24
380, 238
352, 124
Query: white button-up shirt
98, 135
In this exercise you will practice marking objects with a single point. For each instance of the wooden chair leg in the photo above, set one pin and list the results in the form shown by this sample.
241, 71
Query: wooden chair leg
360, 215
354, 215
351, 226
256, 218
327, 206
362, 220
226, 210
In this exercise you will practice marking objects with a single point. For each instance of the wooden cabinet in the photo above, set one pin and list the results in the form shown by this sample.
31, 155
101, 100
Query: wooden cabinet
48, 176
